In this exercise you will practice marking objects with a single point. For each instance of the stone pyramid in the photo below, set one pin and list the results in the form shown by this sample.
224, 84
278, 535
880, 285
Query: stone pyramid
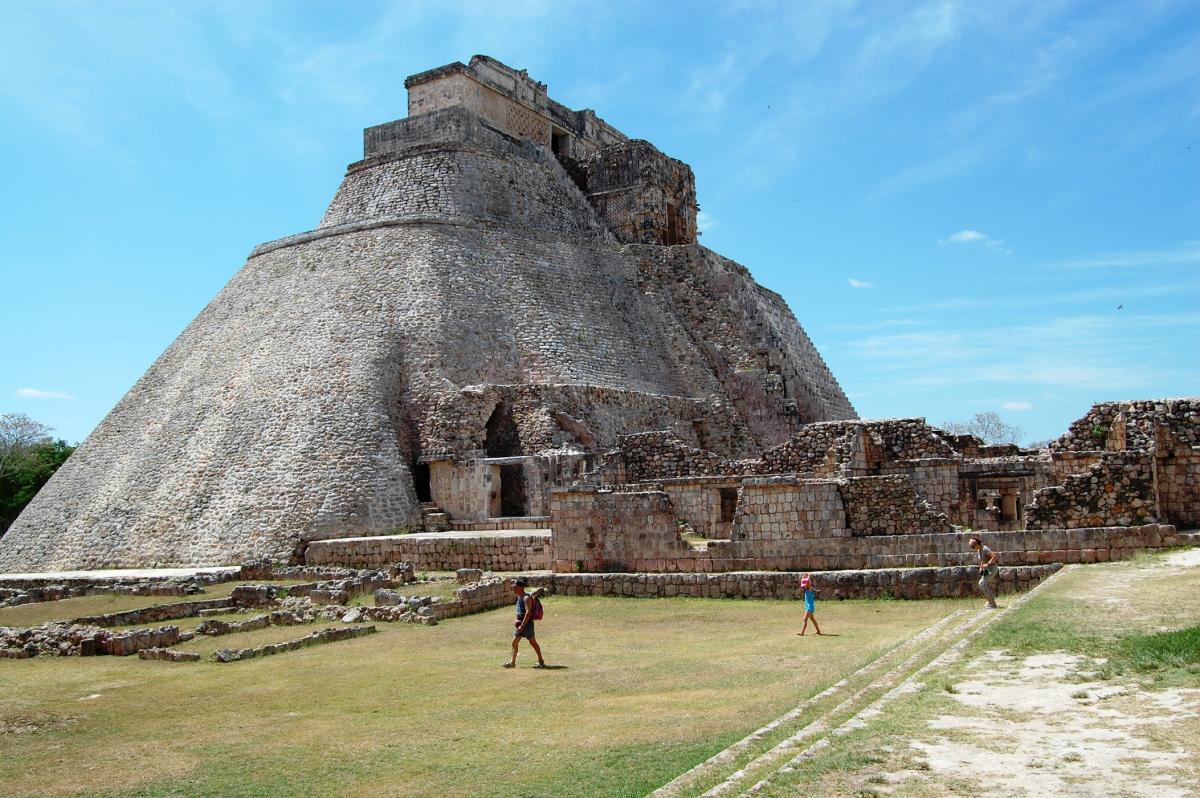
500, 276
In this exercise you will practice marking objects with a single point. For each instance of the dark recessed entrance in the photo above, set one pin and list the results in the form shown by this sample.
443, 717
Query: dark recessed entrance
728, 504
512, 491
421, 481
502, 438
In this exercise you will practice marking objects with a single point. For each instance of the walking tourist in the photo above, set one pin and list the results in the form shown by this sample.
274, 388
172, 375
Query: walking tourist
528, 611
810, 604
987, 569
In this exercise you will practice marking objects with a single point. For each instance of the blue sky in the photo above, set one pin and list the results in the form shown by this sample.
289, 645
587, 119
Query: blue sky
969, 206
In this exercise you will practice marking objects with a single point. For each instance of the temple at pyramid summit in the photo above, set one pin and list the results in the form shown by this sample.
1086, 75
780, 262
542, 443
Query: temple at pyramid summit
504, 320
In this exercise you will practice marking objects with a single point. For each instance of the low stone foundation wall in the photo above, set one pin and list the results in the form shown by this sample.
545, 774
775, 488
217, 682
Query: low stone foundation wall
476, 597
330, 635
907, 583
494, 524
168, 655
491, 553
156, 613
913, 550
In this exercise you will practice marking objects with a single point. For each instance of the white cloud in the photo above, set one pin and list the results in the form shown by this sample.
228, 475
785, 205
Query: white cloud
859, 283
1016, 406
705, 222
35, 393
974, 237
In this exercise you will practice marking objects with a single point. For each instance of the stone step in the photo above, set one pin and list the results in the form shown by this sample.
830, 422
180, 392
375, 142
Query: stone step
854, 713
748, 766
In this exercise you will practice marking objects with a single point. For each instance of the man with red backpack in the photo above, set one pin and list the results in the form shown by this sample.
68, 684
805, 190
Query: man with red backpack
529, 609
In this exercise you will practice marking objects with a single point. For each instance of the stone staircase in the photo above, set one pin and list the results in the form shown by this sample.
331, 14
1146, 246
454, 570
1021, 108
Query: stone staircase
433, 518
761, 762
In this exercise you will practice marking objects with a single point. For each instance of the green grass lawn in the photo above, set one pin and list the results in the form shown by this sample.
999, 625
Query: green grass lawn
647, 689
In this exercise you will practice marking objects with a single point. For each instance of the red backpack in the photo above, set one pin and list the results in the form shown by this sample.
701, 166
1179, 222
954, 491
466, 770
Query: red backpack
533, 606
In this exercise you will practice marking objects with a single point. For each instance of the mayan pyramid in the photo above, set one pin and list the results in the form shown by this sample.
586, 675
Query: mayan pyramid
500, 276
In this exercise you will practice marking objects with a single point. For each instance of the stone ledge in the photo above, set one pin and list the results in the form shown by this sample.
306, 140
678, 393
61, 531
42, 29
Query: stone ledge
908, 583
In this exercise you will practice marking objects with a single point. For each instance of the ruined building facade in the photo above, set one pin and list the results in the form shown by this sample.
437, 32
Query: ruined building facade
501, 291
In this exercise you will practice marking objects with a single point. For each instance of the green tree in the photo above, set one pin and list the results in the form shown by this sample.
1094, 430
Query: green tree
28, 458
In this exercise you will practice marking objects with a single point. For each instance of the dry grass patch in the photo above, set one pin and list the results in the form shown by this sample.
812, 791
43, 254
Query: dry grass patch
648, 689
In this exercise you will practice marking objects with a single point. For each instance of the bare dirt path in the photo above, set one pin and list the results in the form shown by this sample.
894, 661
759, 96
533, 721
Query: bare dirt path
1047, 725
1051, 701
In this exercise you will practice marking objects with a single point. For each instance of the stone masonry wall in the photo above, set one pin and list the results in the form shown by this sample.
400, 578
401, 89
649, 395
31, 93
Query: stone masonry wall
936, 480
600, 530
492, 553
889, 505
699, 503
1177, 477
1117, 491
1119, 426
911, 583
787, 508
662, 455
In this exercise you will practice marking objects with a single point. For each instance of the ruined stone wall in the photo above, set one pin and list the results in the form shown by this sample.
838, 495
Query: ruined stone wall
935, 480
1117, 491
466, 490
643, 196
787, 508
699, 503
1067, 462
1178, 480
889, 505
662, 455
912, 583
549, 418
1118, 426
605, 531
491, 553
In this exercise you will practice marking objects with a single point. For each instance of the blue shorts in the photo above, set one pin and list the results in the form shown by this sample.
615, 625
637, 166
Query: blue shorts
526, 633
810, 605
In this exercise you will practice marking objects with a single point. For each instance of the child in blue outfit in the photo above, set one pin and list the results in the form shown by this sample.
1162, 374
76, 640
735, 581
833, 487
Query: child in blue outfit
810, 604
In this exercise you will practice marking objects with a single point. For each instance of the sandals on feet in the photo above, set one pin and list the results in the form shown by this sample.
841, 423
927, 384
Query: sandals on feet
510, 664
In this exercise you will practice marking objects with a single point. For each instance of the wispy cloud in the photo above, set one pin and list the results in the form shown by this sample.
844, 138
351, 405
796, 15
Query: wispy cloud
1186, 254
1016, 406
1114, 352
1048, 297
705, 222
859, 283
955, 162
36, 393
974, 237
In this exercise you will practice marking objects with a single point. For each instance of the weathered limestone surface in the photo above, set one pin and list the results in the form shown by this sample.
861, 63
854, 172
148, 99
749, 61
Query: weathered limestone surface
1116, 491
458, 263
492, 553
909, 583
889, 505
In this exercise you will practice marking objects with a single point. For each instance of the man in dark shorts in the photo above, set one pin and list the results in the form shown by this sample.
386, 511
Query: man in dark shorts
524, 625
987, 569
